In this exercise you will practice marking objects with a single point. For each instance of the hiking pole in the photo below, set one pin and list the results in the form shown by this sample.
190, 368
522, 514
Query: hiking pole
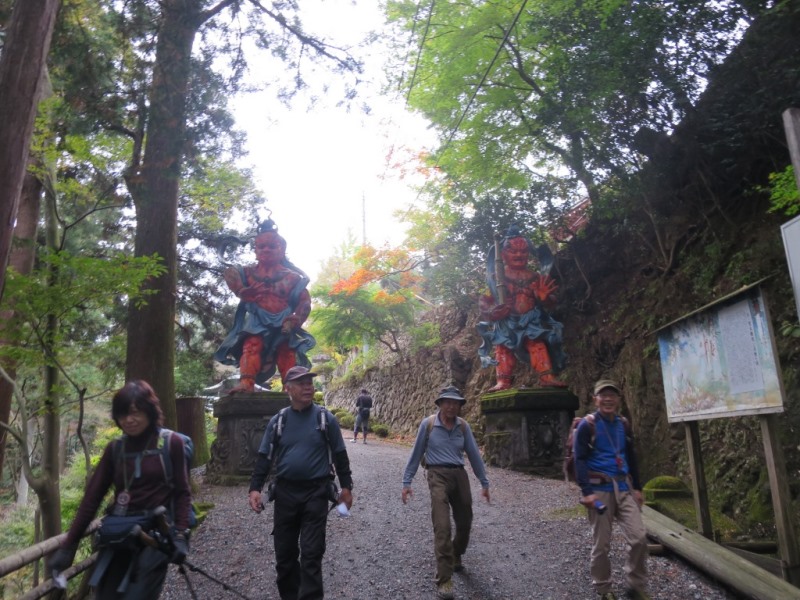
183, 572
224, 585
151, 541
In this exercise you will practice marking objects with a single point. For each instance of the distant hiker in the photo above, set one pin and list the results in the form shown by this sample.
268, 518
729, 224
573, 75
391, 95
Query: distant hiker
442, 440
304, 442
125, 568
608, 475
363, 407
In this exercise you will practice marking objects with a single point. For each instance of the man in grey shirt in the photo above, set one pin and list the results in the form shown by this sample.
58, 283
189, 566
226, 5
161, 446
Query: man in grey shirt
442, 439
308, 441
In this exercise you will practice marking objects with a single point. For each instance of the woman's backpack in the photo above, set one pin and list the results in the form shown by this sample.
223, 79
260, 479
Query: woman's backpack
162, 450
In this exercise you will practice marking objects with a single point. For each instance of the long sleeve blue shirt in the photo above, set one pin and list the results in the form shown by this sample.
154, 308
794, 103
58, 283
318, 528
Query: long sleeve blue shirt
445, 447
601, 454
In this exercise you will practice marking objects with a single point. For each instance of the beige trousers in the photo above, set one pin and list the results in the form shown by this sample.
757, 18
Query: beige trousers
625, 509
449, 490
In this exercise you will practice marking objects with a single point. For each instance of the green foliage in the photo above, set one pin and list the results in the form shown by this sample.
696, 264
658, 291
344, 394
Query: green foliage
789, 329
553, 101
665, 483
326, 369
319, 398
425, 336
784, 197
338, 412
16, 529
16, 525
193, 372
759, 514
346, 420
379, 429
346, 318
211, 428
84, 290
361, 364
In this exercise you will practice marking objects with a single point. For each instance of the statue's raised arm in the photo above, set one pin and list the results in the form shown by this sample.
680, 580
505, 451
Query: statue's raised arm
515, 317
273, 305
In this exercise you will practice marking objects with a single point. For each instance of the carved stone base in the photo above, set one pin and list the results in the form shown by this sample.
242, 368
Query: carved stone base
241, 421
526, 429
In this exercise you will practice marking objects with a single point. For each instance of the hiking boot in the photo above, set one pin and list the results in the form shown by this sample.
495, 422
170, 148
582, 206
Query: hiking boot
457, 566
634, 594
608, 596
365, 440
445, 590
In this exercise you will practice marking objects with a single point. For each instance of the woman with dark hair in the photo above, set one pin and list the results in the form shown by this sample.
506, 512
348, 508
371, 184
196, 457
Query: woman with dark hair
135, 466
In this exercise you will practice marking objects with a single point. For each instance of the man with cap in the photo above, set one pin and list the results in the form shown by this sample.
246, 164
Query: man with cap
442, 440
363, 407
608, 475
301, 450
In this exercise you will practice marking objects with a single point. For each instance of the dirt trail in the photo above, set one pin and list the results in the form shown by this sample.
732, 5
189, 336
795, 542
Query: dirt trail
529, 543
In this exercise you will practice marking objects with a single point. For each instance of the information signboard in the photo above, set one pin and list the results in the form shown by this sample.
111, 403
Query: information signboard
791, 244
720, 361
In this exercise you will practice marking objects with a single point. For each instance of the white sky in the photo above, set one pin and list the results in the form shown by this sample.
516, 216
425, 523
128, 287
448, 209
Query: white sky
315, 167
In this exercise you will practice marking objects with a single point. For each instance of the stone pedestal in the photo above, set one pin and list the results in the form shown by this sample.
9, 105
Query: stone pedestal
526, 429
241, 421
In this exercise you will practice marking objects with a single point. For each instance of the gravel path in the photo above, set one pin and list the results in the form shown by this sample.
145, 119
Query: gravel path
530, 543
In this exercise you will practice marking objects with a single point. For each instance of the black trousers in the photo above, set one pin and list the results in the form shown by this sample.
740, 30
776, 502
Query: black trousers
147, 575
300, 515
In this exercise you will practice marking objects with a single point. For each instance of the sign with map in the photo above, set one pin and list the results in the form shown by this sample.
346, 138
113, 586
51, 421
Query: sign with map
720, 361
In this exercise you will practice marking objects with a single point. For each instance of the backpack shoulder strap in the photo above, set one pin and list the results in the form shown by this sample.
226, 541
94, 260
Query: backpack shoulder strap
626, 424
431, 420
116, 451
164, 439
322, 414
161, 449
277, 432
590, 419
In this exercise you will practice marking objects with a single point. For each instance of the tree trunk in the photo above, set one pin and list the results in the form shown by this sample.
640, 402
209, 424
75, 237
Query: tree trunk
21, 64
22, 482
192, 422
21, 259
154, 187
47, 486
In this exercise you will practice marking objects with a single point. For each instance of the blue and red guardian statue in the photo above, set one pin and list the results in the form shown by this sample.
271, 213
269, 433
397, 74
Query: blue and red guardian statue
273, 305
516, 317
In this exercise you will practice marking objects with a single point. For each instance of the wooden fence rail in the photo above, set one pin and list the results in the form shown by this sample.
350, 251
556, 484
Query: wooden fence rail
45, 548
722, 564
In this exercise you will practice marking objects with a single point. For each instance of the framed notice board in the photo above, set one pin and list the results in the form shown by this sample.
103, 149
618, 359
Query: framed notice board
720, 361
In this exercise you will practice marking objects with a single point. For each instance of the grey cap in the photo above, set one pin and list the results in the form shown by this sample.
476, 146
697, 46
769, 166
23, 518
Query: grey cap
606, 383
296, 373
451, 392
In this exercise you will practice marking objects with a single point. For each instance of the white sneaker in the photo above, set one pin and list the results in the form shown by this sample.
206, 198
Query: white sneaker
353, 441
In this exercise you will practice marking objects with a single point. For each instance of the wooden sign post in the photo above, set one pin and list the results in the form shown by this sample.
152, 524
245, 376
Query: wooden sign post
721, 361
791, 124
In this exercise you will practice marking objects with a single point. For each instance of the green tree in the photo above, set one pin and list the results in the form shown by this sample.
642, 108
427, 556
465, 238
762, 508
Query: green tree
48, 304
345, 318
160, 91
540, 104
375, 302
